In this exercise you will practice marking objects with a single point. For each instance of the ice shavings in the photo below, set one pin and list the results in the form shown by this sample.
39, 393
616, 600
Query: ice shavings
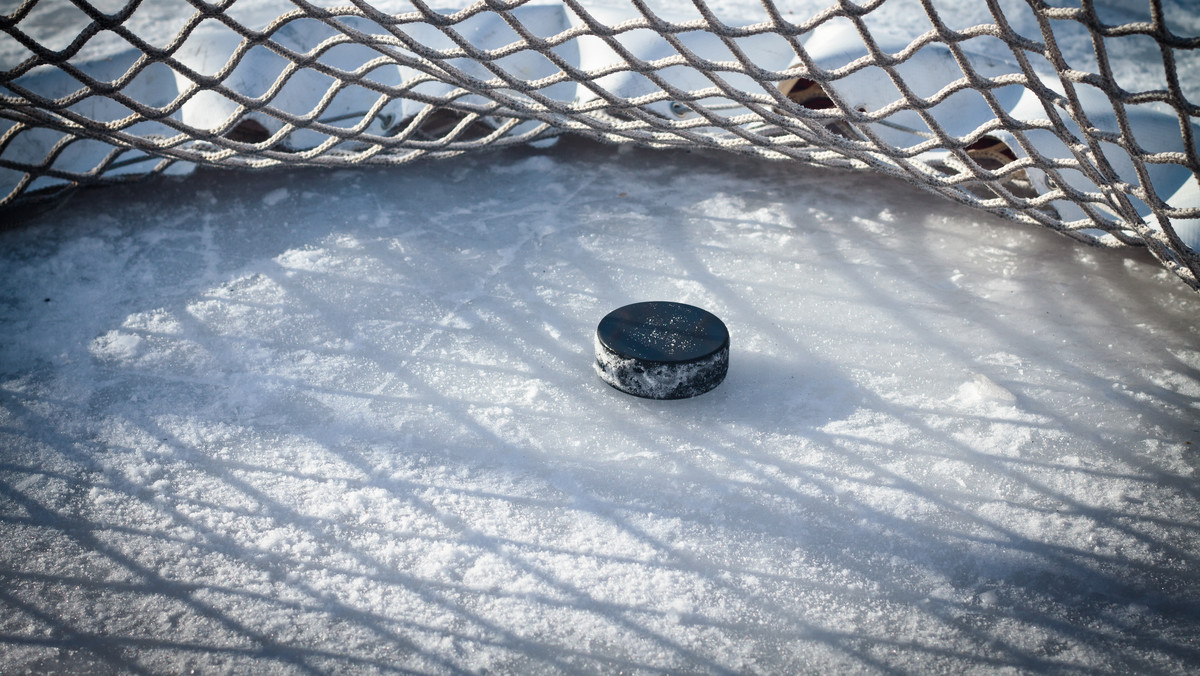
117, 346
981, 389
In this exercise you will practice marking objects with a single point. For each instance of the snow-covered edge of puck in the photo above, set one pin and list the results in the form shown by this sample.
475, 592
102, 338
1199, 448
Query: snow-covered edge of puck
661, 380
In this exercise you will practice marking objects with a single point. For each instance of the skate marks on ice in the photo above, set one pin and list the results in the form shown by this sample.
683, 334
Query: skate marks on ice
348, 430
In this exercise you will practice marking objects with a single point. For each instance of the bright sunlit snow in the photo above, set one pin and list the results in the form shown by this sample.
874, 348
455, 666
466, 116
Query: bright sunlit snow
347, 421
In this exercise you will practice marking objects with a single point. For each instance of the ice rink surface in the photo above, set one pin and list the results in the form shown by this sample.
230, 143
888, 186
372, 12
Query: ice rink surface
307, 421
310, 421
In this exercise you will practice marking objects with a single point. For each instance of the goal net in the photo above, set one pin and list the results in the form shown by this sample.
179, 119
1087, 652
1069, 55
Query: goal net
1031, 112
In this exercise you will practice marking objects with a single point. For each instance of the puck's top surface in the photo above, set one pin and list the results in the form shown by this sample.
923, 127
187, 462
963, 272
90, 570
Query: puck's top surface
662, 331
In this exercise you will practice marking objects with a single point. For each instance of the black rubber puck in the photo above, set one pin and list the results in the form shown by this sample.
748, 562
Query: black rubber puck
662, 350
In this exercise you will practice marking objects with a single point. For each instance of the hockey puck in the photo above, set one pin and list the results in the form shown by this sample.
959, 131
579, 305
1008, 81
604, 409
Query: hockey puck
662, 350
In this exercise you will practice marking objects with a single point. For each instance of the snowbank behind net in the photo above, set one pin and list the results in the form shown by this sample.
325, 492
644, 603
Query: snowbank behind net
987, 116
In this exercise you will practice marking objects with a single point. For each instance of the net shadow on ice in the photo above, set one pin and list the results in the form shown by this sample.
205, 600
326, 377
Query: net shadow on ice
1087, 573
430, 475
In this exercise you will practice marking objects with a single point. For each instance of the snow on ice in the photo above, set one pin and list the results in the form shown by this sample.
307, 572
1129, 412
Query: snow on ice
358, 429
308, 421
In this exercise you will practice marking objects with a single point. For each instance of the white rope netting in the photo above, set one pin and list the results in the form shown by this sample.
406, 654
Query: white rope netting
990, 115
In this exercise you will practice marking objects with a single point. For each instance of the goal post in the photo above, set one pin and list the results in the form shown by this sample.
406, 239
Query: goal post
1034, 113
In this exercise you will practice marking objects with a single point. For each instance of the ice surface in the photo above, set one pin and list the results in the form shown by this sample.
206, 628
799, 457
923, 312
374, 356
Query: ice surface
357, 428
314, 421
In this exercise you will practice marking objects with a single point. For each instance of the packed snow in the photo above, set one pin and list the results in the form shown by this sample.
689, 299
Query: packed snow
347, 421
